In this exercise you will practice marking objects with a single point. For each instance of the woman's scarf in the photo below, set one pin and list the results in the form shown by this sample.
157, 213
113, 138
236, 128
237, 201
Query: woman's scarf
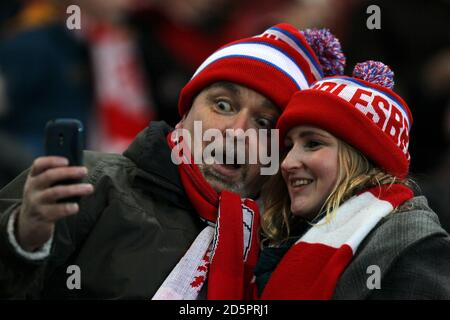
312, 266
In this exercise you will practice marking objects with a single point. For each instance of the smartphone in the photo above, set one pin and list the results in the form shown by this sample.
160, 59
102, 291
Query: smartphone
65, 137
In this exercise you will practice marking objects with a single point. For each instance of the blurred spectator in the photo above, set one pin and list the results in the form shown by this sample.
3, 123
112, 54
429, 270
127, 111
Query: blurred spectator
13, 158
92, 74
45, 75
42, 76
123, 107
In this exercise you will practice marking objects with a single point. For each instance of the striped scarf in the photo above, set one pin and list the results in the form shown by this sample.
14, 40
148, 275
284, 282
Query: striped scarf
225, 252
312, 266
123, 106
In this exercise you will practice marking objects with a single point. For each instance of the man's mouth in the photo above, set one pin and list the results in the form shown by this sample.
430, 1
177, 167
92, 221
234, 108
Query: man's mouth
228, 170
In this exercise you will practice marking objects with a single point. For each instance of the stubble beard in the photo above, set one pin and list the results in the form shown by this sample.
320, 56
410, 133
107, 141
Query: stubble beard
220, 183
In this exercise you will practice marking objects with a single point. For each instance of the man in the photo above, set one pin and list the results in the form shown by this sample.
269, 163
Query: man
143, 219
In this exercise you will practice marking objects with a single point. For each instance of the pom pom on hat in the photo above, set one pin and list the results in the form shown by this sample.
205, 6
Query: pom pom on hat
276, 63
361, 110
328, 50
375, 72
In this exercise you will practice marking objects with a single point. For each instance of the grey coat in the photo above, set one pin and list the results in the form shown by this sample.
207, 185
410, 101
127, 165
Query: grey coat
412, 252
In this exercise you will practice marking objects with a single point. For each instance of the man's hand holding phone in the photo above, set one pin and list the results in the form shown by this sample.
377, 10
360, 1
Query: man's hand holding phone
54, 184
40, 207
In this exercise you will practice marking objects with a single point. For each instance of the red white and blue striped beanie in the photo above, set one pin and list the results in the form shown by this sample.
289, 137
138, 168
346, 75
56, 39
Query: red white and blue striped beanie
361, 110
276, 63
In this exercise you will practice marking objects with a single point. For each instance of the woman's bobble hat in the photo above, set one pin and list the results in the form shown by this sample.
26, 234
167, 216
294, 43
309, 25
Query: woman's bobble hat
361, 110
276, 63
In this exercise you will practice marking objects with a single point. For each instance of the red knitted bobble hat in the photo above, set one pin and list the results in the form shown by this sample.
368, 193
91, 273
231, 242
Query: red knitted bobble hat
361, 110
276, 63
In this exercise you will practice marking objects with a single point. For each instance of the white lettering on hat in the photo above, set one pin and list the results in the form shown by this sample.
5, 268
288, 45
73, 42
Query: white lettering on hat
383, 110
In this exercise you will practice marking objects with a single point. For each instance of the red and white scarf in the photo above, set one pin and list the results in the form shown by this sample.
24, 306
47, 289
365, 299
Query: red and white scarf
225, 252
313, 265
123, 107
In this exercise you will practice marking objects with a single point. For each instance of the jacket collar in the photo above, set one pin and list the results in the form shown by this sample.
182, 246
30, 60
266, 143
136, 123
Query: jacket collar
155, 171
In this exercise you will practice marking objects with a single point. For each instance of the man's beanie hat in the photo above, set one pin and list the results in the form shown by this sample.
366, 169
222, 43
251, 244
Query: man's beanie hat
276, 63
361, 110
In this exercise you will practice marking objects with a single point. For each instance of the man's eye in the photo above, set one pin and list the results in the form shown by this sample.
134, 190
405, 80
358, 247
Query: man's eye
224, 106
264, 123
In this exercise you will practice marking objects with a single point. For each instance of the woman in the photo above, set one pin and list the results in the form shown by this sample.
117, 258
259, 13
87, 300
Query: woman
348, 226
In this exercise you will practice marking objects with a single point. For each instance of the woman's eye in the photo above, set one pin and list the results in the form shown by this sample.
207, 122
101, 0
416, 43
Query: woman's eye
312, 144
224, 106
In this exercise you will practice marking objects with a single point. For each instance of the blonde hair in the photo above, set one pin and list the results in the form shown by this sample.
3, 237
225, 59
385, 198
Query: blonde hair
355, 173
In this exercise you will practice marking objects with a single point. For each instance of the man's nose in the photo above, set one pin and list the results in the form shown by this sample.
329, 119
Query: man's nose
241, 121
235, 132
236, 127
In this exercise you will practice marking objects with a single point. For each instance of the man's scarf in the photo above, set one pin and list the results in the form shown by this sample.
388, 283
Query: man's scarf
226, 251
313, 265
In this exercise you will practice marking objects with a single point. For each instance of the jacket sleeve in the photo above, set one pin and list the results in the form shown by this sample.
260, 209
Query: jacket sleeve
18, 275
22, 277
422, 271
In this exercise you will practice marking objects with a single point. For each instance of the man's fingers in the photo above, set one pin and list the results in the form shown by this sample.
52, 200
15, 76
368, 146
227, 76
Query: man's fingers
55, 175
55, 212
53, 194
43, 163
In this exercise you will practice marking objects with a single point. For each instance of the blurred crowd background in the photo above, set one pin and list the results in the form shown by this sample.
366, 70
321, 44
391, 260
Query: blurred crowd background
128, 62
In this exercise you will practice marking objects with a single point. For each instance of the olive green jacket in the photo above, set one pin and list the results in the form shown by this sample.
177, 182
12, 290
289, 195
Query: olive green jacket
127, 237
